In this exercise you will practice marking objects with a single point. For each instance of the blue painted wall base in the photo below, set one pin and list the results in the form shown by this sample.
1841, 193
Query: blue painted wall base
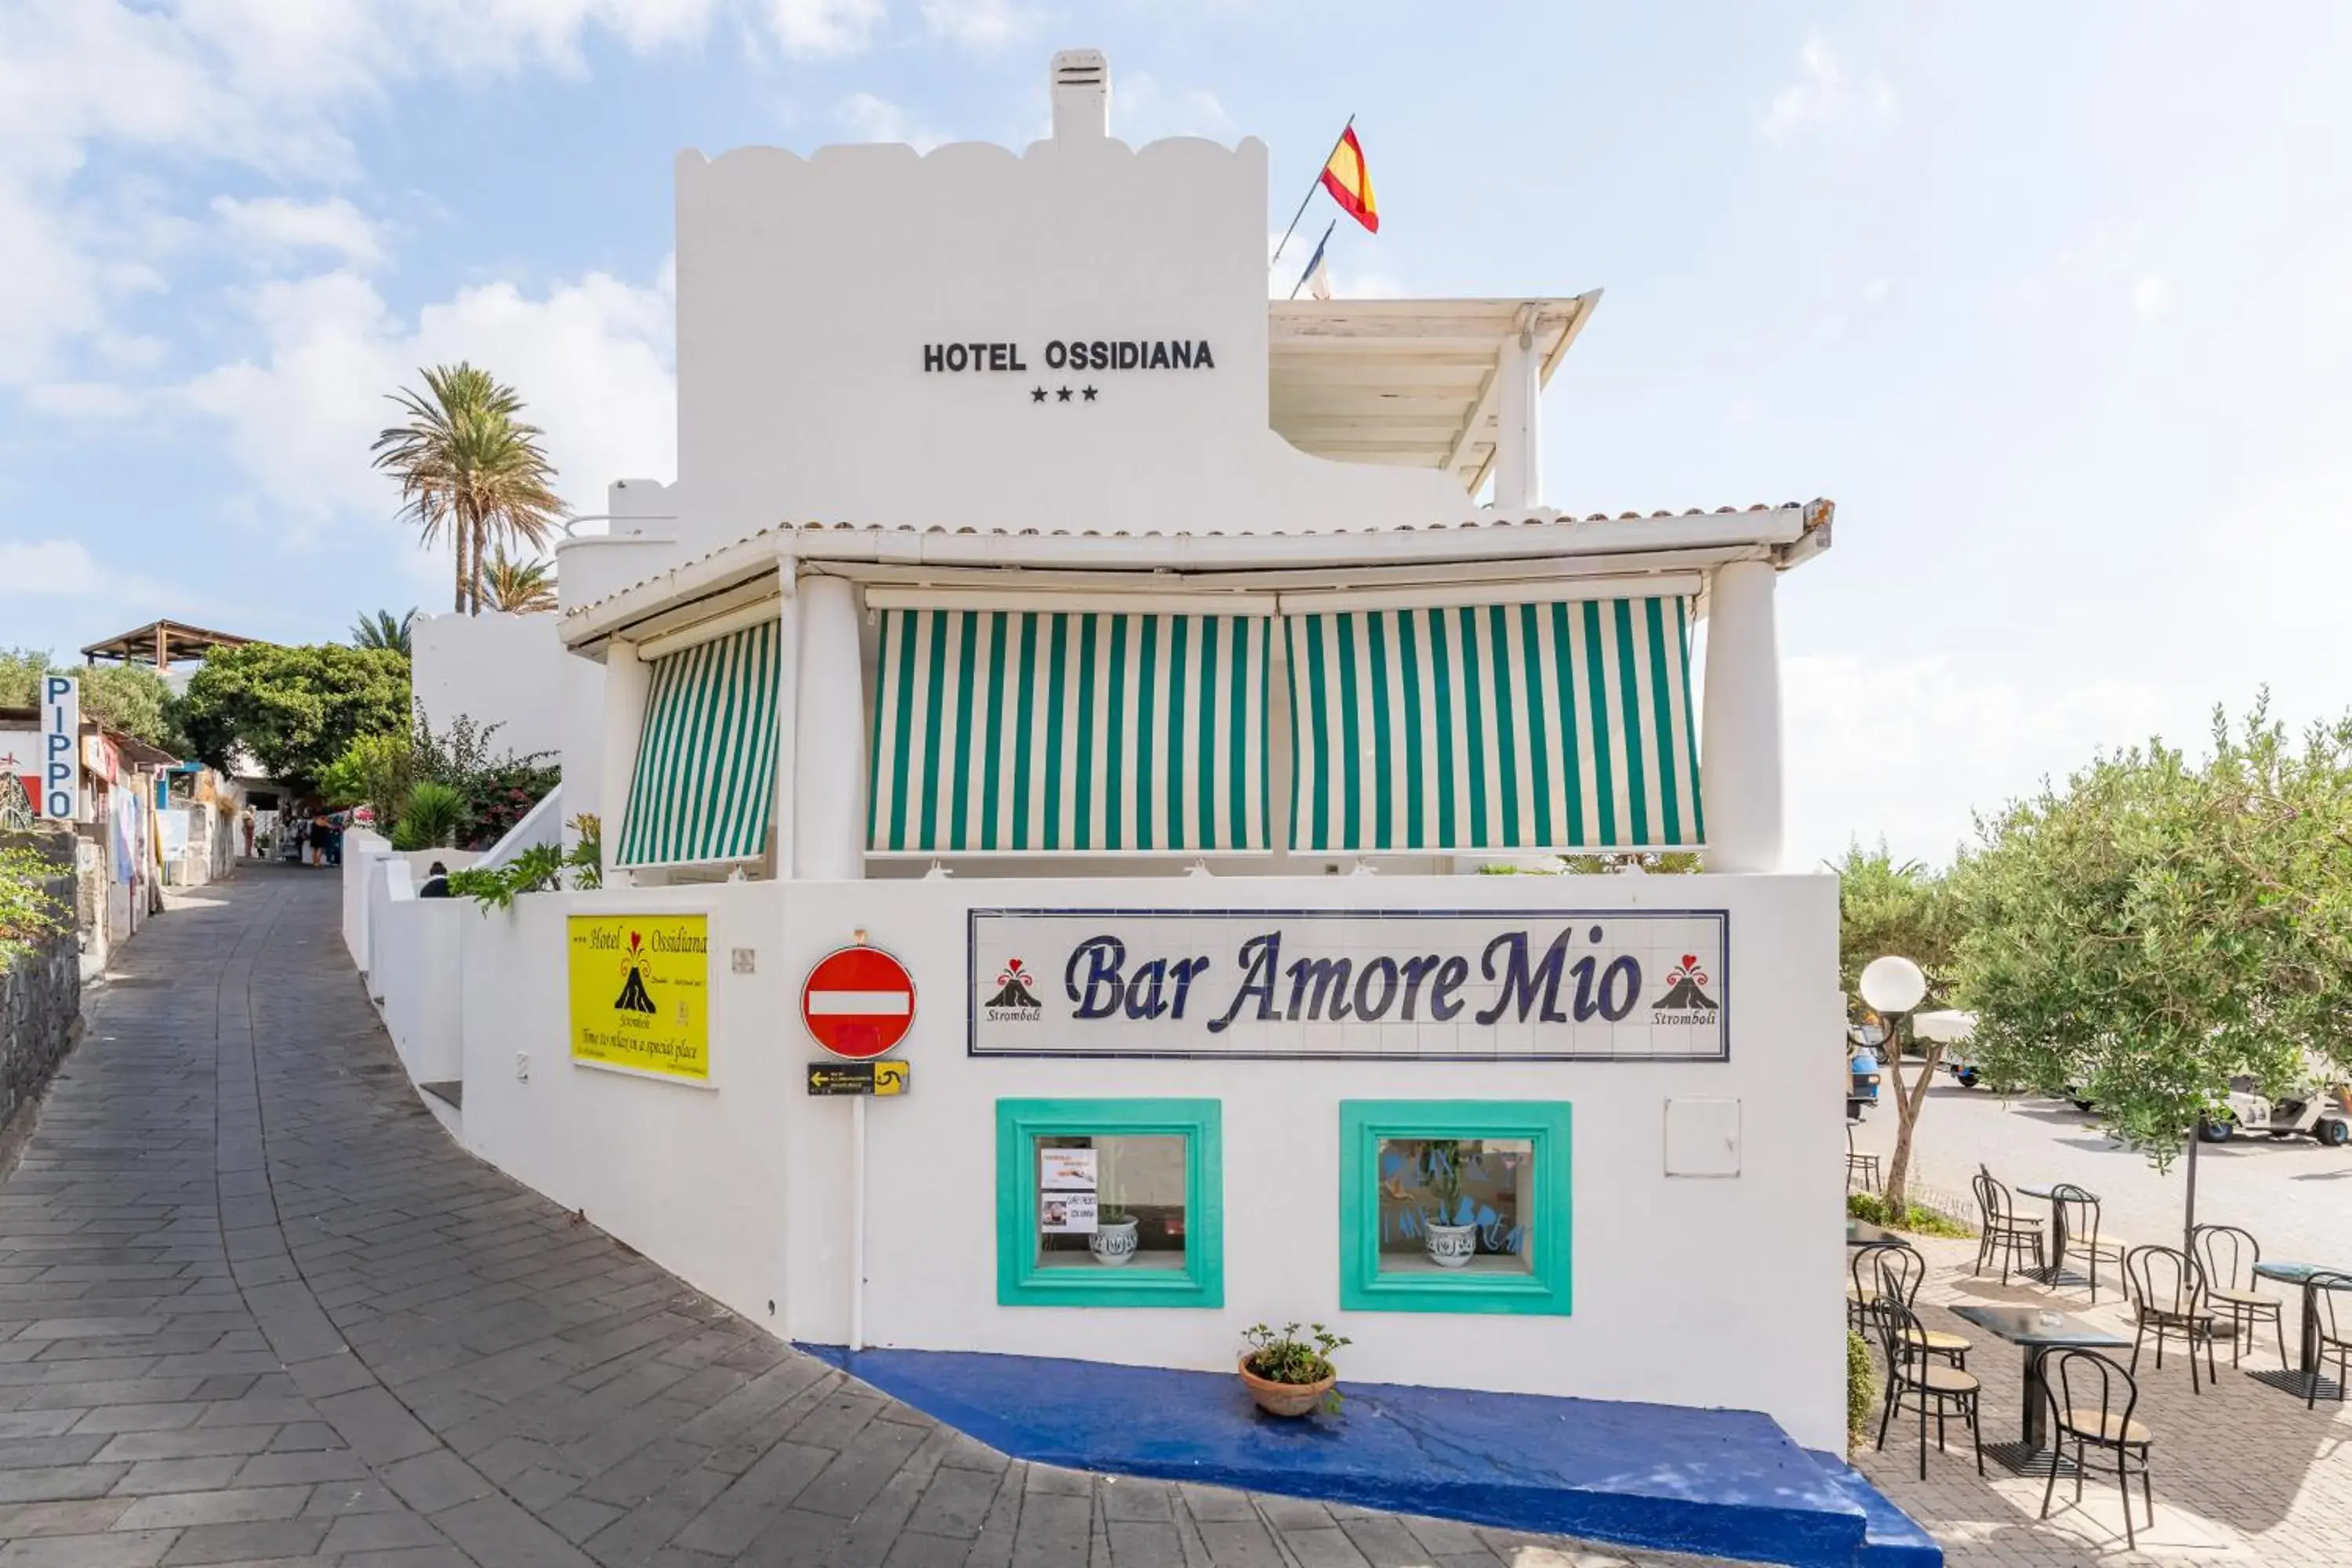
1722, 1483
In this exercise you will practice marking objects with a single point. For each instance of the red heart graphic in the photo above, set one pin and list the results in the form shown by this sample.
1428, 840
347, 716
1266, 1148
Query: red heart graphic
1689, 959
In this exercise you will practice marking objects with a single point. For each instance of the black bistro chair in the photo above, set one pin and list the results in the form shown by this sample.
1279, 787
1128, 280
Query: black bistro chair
2227, 1254
2328, 1297
1915, 1375
2000, 1232
1862, 1165
2069, 1379
1897, 1264
2080, 1212
2170, 1297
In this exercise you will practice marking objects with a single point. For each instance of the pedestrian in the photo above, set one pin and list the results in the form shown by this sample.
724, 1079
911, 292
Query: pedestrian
335, 838
436, 882
245, 821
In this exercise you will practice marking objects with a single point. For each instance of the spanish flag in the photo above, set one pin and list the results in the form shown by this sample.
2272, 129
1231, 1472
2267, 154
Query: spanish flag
1349, 183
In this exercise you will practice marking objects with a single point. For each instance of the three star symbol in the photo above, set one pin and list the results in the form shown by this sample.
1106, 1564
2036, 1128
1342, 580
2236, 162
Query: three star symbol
1061, 394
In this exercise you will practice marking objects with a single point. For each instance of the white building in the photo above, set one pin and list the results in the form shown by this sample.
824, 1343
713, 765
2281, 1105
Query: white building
1039, 604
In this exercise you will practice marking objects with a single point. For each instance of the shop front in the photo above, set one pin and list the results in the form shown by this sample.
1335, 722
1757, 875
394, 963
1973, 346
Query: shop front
1042, 913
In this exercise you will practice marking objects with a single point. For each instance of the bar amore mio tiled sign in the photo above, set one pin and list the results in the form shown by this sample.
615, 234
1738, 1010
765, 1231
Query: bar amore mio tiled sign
1464, 984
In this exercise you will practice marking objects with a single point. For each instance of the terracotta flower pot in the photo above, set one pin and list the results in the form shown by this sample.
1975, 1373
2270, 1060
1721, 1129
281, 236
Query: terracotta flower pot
1285, 1398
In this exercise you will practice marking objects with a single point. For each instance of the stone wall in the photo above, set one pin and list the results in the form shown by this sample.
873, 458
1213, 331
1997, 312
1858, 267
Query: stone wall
40, 992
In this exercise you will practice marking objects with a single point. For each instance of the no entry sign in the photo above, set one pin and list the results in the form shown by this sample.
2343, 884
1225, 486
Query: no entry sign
858, 1002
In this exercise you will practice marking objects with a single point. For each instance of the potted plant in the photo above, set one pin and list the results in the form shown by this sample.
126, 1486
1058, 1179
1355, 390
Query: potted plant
1287, 1375
1449, 1245
1113, 1241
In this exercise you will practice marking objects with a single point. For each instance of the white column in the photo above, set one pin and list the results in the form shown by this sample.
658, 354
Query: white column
1518, 436
829, 760
627, 681
1740, 753
788, 664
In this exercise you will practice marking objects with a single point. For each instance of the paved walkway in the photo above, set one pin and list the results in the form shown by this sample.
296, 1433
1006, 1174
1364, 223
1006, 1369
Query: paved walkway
255, 1306
2244, 1475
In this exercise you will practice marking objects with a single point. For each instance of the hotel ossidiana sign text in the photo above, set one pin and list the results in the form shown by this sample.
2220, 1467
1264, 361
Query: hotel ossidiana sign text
1436, 985
640, 988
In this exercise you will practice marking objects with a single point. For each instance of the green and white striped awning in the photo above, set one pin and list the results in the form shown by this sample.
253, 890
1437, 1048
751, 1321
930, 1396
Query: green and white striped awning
1040, 731
705, 786
1535, 726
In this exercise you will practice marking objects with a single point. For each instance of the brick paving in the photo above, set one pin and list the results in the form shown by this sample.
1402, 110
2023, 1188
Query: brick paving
2243, 1474
254, 1306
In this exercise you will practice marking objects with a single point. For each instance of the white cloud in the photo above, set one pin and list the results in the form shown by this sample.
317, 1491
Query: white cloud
271, 228
1142, 109
2151, 296
591, 358
1910, 749
65, 569
1823, 95
84, 399
823, 27
58, 566
980, 24
872, 119
258, 84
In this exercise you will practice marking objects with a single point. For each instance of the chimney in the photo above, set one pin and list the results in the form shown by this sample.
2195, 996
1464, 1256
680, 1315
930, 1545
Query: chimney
1081, 95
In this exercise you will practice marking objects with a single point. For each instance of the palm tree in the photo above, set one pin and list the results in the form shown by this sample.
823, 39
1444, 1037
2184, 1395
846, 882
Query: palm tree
383, 629
466, 462
519, 587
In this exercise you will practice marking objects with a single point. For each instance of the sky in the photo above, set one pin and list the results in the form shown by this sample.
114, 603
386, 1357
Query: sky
2051, 300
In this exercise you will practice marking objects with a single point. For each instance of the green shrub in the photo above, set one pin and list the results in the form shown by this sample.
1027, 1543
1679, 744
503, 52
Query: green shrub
1919, 1219
431, 818
28, 915
376, 771
1860, 1388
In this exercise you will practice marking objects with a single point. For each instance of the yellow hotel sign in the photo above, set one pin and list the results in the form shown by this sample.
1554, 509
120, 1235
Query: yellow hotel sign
640, 993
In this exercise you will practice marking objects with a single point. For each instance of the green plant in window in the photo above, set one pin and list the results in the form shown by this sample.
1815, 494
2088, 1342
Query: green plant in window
1441, 1177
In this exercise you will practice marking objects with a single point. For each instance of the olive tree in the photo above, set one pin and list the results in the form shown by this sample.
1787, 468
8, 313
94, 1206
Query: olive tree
1904, 910
2157, 927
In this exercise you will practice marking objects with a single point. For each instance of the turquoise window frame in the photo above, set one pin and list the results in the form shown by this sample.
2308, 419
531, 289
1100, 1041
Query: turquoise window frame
1544, 1290
1020, 1283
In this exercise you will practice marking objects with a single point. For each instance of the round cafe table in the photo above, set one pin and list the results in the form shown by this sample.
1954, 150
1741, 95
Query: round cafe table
2050, 1275
2305, 1275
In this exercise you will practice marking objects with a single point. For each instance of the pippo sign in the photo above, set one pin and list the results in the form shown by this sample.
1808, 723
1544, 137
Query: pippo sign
1502, 985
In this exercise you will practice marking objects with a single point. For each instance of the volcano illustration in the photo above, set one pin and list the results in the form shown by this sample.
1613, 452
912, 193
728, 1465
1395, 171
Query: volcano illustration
1683, 992
1013, 988
634, 999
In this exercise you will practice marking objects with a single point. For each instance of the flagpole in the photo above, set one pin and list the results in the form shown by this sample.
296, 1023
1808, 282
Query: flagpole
1312, 187
1319, 243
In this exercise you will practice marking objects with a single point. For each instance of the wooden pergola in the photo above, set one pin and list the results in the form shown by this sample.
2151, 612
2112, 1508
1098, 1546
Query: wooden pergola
159, 643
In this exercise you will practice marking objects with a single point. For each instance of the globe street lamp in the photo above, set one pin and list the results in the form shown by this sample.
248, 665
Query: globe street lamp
1893, 987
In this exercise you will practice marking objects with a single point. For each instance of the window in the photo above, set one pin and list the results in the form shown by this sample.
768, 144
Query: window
1109, 1203
1455, 1206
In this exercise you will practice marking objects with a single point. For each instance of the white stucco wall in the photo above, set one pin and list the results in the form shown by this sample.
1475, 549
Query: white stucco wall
1690, 1291
417, 977
807, 288
493, 668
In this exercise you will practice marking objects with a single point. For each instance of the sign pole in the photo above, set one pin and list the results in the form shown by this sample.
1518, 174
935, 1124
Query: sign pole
857, 1222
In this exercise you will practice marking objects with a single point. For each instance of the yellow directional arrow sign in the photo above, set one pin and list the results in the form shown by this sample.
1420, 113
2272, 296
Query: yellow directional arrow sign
880, 1075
